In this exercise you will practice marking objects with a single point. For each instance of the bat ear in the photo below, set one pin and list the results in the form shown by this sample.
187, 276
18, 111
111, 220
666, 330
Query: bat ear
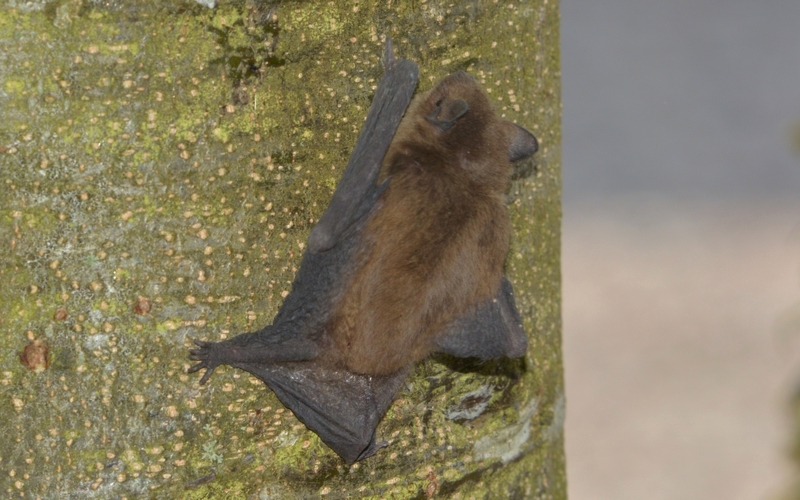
445, 118
523, 143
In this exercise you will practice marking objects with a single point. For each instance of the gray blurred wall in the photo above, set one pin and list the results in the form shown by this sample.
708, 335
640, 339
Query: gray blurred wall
683, 99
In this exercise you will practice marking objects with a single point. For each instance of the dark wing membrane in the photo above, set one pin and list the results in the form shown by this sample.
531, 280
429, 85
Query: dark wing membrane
391, 100
494, 330
342, 408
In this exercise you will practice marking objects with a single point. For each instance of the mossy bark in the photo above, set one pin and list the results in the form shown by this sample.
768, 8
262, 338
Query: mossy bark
160, 166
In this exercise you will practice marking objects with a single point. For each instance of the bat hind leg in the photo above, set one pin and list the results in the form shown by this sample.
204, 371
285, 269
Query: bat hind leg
256, 347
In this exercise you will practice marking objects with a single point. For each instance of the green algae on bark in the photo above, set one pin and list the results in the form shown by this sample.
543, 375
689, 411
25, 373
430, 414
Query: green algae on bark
169, 153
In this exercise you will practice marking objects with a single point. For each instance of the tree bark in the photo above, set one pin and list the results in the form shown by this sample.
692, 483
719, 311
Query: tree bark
161, 164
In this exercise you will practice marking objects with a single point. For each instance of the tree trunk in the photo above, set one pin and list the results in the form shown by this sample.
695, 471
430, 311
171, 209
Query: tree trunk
161, 164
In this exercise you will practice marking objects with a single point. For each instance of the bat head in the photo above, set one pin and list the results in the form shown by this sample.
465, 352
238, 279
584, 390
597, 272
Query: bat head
454, 126
457, 120
460, 111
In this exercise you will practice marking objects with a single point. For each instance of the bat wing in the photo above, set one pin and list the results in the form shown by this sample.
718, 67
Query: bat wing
342, 408
306, 309
494, 330
351, 199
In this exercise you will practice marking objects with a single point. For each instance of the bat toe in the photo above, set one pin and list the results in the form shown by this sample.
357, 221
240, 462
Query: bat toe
206, 376
204, 351
198, 354
196, 367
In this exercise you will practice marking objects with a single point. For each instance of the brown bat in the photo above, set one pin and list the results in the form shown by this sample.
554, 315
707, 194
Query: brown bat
406, 261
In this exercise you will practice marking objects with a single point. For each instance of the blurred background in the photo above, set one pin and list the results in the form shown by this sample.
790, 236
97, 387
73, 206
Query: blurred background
681, 254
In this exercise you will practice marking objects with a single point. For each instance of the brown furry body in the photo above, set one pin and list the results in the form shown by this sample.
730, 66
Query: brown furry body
435, 248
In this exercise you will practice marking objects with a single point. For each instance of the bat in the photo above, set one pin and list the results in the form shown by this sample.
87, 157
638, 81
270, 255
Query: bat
407, 260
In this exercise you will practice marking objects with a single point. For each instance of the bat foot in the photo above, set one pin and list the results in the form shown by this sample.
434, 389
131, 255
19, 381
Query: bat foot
372, 449
206, 358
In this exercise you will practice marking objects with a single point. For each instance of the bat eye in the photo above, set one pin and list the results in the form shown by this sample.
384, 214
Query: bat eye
439, 101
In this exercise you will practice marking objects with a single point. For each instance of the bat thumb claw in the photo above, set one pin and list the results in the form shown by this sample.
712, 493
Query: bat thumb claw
389, 56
